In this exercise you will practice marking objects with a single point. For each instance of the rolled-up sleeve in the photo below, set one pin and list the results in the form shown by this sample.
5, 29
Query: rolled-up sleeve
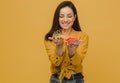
80, 51
53, 57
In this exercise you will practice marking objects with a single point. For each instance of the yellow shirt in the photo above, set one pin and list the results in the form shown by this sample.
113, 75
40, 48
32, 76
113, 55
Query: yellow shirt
64, 64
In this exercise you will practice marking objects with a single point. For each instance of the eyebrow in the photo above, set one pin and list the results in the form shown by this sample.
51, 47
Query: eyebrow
67, 14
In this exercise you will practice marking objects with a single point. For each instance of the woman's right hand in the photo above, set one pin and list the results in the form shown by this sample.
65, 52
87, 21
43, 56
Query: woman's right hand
58, 41
59, 45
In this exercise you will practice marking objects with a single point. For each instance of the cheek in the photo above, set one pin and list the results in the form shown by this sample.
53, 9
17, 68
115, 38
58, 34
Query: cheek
61, 20
71, 19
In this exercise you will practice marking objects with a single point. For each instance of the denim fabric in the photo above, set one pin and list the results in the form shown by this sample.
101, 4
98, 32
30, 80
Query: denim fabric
53, 79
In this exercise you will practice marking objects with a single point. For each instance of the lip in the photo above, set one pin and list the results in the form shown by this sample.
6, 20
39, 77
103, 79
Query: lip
65, 24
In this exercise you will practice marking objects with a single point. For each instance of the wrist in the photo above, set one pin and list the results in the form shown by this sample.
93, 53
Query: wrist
71, 54
59, 46
59, 50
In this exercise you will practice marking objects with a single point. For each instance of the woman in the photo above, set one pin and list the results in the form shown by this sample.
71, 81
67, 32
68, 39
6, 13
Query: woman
66, 45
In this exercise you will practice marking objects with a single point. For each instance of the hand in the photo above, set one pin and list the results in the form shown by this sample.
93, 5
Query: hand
58, 41
71, 49
59, 45
72, 44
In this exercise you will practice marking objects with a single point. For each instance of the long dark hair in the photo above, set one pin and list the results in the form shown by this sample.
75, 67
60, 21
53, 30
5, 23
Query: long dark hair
56, 26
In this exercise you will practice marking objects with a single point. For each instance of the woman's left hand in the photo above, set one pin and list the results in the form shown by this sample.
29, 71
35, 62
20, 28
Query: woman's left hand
71, 50
72, 44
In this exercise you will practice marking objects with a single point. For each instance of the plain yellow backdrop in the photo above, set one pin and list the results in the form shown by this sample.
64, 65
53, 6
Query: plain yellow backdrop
23, 24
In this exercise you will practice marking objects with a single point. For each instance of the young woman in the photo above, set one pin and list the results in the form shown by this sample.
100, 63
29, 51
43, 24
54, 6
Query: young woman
66, 45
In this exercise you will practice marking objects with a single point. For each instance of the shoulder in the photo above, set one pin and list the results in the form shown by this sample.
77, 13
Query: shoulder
48, 43
81, 34
84, 34
83, 37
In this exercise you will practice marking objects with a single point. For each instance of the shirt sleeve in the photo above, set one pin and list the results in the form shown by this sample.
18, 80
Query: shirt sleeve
81, 51
53, 57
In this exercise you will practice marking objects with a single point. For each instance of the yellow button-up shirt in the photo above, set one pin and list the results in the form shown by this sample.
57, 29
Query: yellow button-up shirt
64, 64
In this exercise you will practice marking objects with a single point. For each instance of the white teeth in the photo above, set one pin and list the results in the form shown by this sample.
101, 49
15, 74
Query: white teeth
65, 24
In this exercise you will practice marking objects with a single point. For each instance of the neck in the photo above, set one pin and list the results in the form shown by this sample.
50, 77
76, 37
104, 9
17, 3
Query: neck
66, 32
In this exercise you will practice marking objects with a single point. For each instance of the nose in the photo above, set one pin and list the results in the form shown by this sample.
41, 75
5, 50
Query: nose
65, 19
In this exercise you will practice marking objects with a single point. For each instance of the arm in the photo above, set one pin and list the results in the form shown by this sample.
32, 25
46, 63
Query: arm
79, 52
55, 53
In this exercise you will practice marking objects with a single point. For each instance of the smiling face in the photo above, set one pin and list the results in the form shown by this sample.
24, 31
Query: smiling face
66, 18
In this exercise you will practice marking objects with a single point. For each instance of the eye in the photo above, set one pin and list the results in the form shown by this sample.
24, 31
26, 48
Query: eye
61, 16
69, 16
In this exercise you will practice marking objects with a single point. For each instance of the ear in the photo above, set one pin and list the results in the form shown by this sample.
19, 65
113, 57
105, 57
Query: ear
75, 17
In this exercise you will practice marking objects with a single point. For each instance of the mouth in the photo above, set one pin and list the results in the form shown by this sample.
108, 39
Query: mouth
65, 24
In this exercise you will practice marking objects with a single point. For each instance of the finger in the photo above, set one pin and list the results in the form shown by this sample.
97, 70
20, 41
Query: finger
50, 38
72, 46
69, 45
55, 41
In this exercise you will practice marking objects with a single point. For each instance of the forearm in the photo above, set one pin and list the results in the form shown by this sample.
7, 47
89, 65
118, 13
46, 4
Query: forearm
59, 50
71, 50
71, 53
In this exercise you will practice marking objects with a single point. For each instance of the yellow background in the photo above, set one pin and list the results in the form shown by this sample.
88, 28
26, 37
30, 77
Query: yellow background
23, 24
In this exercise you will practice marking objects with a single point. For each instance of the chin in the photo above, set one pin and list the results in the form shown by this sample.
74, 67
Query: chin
63, 27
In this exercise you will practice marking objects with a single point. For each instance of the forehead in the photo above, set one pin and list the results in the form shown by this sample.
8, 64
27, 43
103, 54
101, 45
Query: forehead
66, 10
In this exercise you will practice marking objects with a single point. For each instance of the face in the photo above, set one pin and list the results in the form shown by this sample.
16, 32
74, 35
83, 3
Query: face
66, 18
